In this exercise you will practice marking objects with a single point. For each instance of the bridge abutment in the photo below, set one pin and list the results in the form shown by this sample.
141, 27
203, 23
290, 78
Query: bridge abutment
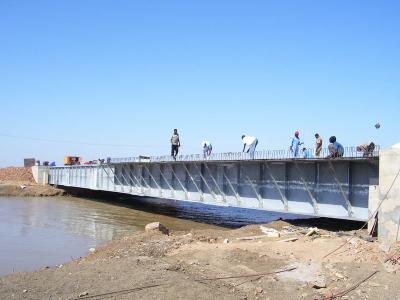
389, 195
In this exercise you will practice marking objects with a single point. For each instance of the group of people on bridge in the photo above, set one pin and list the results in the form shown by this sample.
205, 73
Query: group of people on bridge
250, 143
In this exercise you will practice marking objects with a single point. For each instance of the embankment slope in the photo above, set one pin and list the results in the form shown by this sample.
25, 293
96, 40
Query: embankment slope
18, 181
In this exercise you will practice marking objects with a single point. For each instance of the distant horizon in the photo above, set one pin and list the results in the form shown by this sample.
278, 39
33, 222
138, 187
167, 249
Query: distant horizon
113, 80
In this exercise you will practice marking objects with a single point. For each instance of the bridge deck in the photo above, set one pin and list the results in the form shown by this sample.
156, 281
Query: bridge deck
337, 188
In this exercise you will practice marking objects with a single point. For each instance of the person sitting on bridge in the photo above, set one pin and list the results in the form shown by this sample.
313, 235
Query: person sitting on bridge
175, 144
295, 144
307, 153
249, 144
367, 149
207, 148
335, 148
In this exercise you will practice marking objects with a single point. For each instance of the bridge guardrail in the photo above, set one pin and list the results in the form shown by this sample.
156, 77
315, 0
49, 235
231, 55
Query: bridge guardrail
349, 152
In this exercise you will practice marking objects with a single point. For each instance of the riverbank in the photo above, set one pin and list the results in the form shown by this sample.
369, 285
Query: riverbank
15, 181
30, 190
287, 258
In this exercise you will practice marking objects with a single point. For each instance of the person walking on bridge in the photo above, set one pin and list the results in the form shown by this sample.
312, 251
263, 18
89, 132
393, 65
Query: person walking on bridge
249, 144
295, 144
175, 144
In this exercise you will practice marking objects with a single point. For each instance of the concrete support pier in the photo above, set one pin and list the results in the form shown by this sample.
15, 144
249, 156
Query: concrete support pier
41, 174
389, 193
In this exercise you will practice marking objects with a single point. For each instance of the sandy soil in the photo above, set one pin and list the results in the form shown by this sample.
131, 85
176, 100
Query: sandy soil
15, 181
189, 265
16, 174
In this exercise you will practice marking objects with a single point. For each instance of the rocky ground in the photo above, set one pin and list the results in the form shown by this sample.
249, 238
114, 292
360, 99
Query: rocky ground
276, 261
15, 181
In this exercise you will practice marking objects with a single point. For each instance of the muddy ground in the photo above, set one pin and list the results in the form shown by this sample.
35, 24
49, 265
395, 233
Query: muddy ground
194, 265
28, 190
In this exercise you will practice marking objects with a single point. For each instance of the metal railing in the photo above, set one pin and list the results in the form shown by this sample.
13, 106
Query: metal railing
349, 152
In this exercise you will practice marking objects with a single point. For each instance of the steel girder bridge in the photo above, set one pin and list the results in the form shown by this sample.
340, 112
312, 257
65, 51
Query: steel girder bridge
271, 181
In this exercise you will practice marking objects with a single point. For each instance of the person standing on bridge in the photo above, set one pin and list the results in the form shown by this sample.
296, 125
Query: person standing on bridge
207, 148
318, 145
175, 144
249, 144
295, 144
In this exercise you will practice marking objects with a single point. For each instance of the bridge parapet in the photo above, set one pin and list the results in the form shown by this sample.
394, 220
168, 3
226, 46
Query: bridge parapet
349, 152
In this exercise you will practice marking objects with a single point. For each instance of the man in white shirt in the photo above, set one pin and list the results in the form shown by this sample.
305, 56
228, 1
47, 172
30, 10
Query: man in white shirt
175, 144
249, 144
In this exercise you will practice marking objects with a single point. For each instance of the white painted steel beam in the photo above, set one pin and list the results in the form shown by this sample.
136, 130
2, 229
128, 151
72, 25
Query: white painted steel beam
329, 188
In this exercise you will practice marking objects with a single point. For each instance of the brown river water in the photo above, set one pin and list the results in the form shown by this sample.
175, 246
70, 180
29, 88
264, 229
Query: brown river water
48, 231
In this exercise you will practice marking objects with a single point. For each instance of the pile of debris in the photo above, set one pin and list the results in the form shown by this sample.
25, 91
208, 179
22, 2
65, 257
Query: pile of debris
16, 174
292, 233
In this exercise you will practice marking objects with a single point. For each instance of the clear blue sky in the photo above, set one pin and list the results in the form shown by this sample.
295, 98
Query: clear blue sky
94, 76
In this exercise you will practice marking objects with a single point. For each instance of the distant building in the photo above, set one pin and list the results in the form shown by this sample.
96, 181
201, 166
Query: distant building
29, 162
